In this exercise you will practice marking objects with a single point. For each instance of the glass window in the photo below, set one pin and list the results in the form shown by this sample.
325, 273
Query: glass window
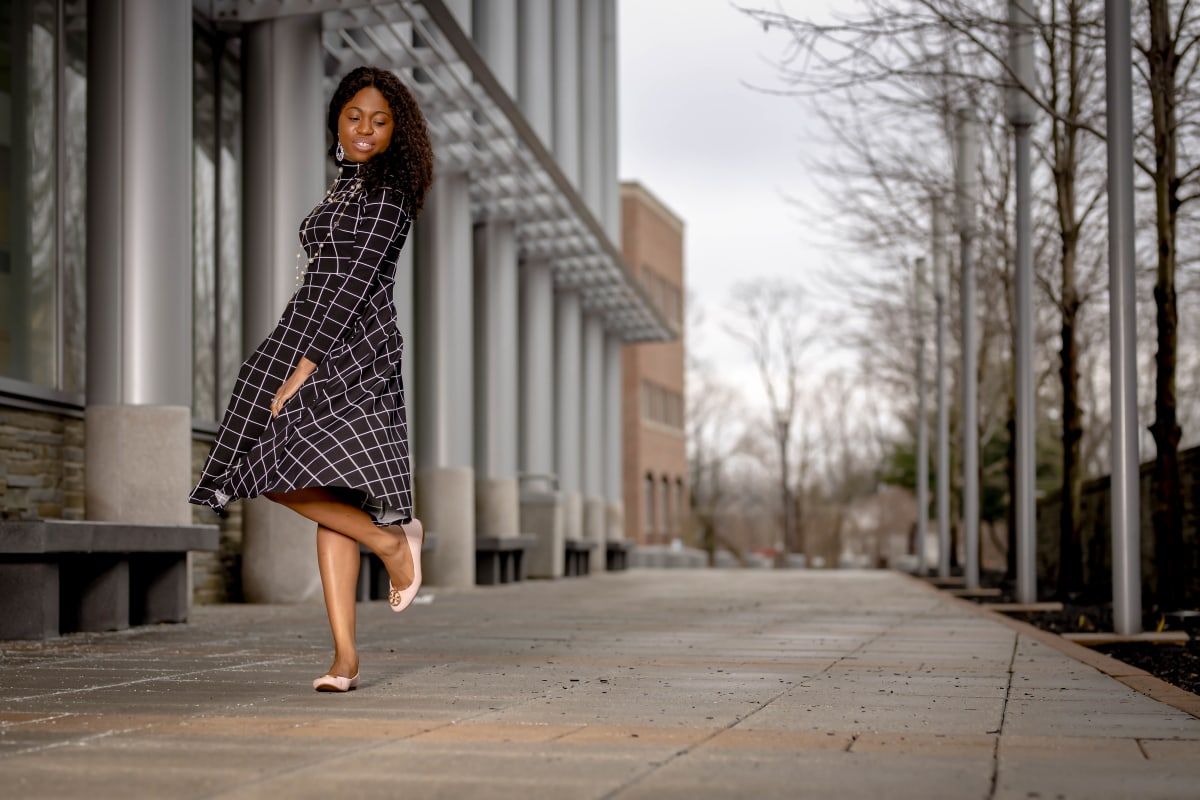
74, 198
29, 279
667, 524
679, 507
204, 212
216, 222
43, 151
229, 229
648, 525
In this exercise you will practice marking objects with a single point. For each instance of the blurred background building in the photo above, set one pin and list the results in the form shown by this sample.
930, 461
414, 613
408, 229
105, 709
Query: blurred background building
655, 442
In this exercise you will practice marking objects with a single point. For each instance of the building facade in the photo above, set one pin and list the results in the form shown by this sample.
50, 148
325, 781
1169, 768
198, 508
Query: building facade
158, 157
655, 443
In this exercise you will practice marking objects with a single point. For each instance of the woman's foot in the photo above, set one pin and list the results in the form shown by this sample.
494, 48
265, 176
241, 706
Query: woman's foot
335, 683
342, 676
414, 538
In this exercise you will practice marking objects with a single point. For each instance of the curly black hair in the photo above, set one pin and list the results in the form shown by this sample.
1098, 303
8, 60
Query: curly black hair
407, 163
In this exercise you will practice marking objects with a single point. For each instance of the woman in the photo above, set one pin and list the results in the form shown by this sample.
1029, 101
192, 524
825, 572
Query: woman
316, 421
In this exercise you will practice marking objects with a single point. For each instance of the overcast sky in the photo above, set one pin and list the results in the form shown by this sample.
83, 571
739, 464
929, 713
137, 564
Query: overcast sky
721, 155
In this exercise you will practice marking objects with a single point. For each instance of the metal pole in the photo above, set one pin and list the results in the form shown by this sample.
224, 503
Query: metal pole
1020, 111
967, 187
1126, 513
940, 275
781, 434
922, 423
1026, 516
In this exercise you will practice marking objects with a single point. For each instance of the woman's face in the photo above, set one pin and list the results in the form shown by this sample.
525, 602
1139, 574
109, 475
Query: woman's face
365, 125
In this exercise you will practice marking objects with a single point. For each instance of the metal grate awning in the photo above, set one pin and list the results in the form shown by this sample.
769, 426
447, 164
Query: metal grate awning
477, 128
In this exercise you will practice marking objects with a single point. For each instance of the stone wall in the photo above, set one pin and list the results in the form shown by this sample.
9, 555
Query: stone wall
41, 465
1097, 549
217, 576
41, 477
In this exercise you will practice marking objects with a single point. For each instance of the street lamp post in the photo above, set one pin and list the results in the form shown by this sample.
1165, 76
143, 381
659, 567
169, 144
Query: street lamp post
1126, 512
940, 279
922, 424
781, 432
966, 191
1021, 117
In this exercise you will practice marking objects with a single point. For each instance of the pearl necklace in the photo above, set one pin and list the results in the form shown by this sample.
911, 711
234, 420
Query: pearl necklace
343, 198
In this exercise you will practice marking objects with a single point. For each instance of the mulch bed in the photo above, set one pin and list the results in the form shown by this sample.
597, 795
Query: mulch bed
1177, 664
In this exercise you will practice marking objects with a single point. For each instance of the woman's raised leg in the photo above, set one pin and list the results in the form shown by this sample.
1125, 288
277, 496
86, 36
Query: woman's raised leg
327, 509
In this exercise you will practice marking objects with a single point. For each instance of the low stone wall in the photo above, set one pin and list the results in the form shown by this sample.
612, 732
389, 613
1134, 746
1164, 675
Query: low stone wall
41, 465
217, 576
1096, 529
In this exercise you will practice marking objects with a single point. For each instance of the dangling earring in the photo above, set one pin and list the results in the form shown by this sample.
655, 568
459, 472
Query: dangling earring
339, 153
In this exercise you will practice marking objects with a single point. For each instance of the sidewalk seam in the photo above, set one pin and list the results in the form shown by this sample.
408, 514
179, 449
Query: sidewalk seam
1012, 661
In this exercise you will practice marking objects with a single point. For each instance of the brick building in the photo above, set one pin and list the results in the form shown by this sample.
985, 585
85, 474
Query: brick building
655, 444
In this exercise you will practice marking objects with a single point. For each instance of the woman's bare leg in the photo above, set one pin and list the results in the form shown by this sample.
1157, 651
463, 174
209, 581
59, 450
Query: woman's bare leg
338, 560
325, 508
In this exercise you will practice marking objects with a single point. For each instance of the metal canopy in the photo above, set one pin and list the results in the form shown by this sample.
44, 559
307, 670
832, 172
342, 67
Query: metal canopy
477, 128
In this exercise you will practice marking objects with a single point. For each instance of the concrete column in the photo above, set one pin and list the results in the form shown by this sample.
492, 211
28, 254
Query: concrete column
568, 329
566, 87
494, 24
591, 98
535, 65
139, 293
610, 173
541, 502
496, 372
283, 178
537, 453
496, 492
283, 143
614, 432
444, 477
595, 505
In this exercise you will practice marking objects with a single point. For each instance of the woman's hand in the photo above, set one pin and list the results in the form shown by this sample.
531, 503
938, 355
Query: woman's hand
299, 375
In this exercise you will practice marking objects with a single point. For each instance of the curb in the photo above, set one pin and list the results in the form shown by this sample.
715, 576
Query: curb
1137, 679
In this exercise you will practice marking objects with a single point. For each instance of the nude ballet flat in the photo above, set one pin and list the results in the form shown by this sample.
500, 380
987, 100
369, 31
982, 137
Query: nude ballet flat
335, 683
400, 599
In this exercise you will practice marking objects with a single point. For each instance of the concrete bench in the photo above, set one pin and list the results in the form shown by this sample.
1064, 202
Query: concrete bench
58, 576
616, 554
501, 559
577, 558
373, 577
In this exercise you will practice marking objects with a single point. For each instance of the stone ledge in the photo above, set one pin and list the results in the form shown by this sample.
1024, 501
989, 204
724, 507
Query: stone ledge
520, 541
58, 576
32, 537
501, 559
577, 558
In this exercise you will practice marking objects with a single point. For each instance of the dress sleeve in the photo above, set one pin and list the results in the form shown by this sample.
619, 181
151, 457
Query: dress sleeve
379, 222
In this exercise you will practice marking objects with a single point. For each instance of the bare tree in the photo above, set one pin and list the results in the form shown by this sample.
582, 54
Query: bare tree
769, 319
1171, 63
713, 437
1072, 67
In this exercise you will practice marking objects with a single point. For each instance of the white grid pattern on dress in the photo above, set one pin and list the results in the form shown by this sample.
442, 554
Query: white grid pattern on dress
346, 426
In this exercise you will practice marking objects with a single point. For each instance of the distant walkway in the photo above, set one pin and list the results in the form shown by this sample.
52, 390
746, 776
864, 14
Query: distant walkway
645, 684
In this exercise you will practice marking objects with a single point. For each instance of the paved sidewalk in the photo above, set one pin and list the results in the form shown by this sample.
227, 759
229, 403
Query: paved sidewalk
646, 684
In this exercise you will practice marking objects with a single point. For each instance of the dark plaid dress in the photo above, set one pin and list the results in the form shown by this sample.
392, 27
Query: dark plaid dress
346, 426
